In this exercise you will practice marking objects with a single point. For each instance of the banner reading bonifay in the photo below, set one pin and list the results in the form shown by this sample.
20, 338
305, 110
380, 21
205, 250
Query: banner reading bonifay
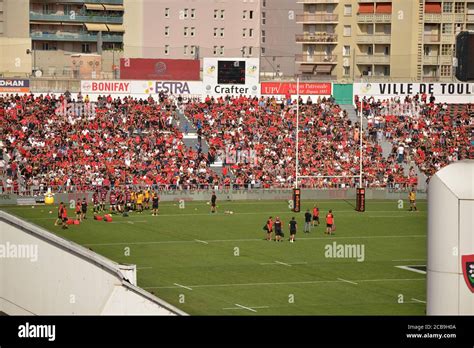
443, 91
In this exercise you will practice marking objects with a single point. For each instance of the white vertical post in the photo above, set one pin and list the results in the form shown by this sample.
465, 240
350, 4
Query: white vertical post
297, 129
360, 138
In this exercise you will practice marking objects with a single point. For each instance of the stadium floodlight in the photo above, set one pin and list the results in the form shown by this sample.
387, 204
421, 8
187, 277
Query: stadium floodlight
450, 271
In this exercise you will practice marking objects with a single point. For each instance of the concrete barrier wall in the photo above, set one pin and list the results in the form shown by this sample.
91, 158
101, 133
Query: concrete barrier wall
251, 194
59, 277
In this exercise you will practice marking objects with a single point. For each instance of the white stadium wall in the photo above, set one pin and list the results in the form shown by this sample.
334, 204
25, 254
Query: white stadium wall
62, 278
450, 271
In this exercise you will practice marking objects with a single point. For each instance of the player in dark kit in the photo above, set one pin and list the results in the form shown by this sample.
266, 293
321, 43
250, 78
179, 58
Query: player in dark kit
155, 201
307, 221
83, 209
213, 202
293, 226
278, 231
78, 211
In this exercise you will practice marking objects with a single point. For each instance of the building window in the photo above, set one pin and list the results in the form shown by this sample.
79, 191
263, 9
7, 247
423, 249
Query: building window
222, 32
244, 32
263, 36
167, 31
185, 13
86, 48
185, 31
222, 14
167, 49
447, 28
167, 12
215, 32
193, 50
264, 18
347, 10
216, 14
250, 14
459, 7
244, 14
185, 50
445, 70
386, 50
215, 50
346, 51
347, 70
193, 31
447, 7
263, 51
446, 50
370, 50
193, 13
243, 49
347, 30
222, 50
250, 50
250, 32
386, 71
264, 3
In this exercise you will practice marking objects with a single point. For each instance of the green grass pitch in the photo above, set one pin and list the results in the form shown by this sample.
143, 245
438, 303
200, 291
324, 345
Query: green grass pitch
220, 264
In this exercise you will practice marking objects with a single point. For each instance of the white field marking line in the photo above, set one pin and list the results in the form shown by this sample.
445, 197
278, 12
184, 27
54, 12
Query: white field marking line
129, 222
409, 268
416, 300
347, 281
283, 283
408, 260
201, 241
182, 286
289, 263
283, 263
243, 213
247, 308
251, 240
259, 307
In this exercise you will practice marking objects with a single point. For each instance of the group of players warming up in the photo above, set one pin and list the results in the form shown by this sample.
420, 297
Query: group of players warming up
311, 220
124, 201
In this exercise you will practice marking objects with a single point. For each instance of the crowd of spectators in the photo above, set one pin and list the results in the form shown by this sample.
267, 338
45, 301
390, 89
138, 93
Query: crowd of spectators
112, 142
423, 133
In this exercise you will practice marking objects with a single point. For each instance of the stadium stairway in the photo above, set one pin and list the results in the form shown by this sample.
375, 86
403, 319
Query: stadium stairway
190, 139
387, 148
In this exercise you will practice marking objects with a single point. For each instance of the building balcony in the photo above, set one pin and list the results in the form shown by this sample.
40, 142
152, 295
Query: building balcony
430, 60
374, 39
372, 59
316, 38
374, 18
76, 19
84, 37
431, 38
459, 17
433, 17
445, 60
470, 17
111, 2
317, 18
316, 58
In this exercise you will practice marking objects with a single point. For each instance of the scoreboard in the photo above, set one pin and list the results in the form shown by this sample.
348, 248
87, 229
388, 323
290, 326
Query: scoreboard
231, 72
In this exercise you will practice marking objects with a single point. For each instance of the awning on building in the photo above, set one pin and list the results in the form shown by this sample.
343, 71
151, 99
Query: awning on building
323, 69
305, 68
96, 27
113, 7
46, 23
116, 27
97, 7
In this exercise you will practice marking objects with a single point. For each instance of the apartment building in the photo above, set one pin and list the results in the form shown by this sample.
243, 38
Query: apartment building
14, 39
278, 29
185, 29
381, 39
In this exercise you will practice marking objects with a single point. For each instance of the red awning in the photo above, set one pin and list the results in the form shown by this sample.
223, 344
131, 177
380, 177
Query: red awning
384, 8
433, 7
366, 8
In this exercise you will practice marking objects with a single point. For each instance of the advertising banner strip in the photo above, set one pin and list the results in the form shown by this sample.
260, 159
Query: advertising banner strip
160, 69
14, 85
305, 88
395, 89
